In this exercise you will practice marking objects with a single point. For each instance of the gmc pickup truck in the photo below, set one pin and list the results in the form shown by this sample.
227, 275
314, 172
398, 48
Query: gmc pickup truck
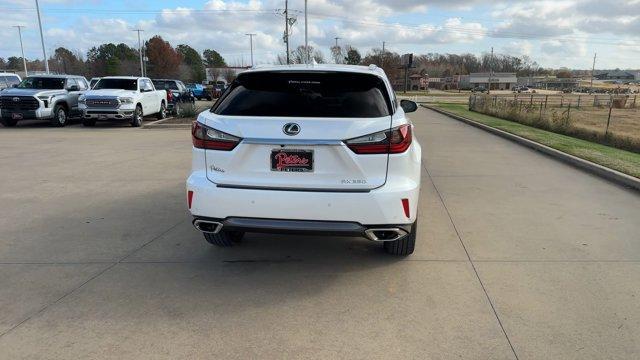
43, 97
123, 98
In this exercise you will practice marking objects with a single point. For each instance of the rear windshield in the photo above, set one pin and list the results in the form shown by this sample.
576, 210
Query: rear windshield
45, 83
305, 94
165, 85
121, 84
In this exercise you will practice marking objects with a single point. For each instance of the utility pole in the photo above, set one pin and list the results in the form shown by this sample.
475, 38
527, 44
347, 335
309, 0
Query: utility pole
44, 52
490, 71
383, 53
337, 38
306, 35
24, 61
251, 46
286, 27
140, 52
593, 69
383, 44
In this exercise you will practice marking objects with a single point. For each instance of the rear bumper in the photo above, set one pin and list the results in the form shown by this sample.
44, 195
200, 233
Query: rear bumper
377, 207
302, 227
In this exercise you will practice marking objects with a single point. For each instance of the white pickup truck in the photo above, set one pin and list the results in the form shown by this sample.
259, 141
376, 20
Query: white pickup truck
122, 98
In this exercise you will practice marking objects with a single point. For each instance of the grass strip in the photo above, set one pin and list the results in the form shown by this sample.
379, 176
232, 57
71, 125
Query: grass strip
624, 161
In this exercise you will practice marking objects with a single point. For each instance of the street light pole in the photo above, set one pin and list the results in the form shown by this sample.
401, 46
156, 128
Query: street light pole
251, 45
44, 52
593, 69
490, 71
24, 61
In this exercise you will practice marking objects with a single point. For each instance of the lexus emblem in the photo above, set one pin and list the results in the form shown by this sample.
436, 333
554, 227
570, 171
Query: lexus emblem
16, 99
291, 129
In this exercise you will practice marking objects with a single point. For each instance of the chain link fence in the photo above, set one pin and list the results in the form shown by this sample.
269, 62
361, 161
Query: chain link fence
612, 120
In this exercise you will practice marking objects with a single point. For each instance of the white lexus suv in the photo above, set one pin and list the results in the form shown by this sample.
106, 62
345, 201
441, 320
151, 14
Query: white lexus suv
307, 149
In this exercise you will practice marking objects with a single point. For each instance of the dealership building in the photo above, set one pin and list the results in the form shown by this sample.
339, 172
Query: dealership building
498, 81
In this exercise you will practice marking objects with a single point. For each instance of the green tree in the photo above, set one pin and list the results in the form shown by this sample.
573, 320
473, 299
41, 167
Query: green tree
66, 62
353, 56
213, 59
192, 59
112, 59
14, 63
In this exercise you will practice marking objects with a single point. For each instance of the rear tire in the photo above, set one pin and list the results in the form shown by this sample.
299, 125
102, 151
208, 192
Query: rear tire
163, 112
224, 238
9, 122
88, 122
404, 246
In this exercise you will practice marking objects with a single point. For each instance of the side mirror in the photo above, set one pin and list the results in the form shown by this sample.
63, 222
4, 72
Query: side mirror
73, 88
408, 106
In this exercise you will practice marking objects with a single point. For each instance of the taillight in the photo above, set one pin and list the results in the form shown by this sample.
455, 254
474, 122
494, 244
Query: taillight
393, 141
169, 96
405, 207
204, 137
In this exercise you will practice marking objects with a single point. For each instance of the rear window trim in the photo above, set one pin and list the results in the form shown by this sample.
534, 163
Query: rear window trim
387, 94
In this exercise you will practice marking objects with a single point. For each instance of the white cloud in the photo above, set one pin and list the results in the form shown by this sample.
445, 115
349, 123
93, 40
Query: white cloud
555, 33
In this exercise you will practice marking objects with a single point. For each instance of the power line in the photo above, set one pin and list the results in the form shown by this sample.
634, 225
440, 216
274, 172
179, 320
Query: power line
171, 11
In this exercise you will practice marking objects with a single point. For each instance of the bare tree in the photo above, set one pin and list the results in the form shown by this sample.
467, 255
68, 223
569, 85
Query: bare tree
299, 55
214, 73
229, 75
337, 54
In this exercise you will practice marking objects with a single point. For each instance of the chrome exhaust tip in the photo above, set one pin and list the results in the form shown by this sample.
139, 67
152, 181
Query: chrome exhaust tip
385, 234
209, 227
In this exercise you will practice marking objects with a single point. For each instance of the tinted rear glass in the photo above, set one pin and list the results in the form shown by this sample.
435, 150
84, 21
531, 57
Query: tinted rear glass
121, 84
306, 94
165, 85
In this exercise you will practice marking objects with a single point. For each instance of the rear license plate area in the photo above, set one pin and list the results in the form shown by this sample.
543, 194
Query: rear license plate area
291, 160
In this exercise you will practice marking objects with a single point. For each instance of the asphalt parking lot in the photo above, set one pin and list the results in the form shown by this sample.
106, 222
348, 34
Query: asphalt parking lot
518, 256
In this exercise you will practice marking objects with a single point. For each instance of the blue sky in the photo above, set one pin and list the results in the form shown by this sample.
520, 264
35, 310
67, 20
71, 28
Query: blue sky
554, 33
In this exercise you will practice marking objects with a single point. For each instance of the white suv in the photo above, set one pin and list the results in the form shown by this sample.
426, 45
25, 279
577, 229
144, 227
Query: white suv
322, 149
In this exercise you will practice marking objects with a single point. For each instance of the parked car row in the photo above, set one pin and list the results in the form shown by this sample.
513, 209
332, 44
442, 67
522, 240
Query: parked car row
199, 92
521, 89
177, 93
60, 98
8, 80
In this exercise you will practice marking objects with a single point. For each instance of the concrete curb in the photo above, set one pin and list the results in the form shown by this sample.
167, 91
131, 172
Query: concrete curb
160, 124
605, 172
